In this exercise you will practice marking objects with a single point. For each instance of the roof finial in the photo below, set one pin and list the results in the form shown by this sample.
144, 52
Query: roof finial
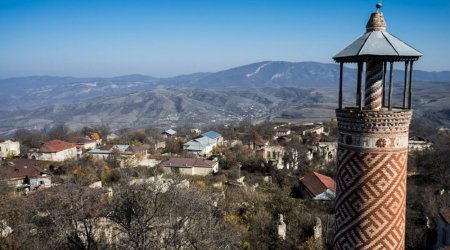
376, 21
379, 5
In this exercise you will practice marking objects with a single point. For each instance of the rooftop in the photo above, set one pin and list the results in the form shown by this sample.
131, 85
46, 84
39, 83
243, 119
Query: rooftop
212, 134
20, 168
80, 140
318, 183
188, 163
377, 42
170, 132
55, 146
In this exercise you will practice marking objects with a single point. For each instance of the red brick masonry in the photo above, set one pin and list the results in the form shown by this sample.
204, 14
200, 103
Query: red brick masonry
371, 179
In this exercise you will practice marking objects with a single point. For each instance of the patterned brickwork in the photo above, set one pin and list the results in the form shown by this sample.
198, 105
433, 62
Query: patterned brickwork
371, 179
370, 203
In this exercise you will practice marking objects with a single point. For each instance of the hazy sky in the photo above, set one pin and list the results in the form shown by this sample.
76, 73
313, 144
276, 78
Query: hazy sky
169, 37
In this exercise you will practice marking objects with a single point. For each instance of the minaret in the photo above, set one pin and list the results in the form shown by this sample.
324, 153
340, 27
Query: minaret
373, 143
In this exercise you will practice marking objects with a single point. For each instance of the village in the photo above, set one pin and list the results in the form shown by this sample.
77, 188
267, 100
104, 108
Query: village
294, 163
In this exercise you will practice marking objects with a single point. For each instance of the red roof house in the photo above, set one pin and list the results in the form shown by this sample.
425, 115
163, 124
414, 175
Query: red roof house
55, 146
318, 186
57, 150
24, 173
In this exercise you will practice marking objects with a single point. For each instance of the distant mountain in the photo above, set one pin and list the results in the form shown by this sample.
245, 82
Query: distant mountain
254, 91
435, 76
279, 74
37, 91
168, 107
289, 74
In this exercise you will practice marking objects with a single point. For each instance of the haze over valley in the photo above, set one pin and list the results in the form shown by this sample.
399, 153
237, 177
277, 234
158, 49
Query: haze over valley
297, 92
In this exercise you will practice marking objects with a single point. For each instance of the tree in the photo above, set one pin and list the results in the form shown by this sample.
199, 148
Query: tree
163, 215
104, 130
87, 131
60, 132
28, 139
71, 213
173, 146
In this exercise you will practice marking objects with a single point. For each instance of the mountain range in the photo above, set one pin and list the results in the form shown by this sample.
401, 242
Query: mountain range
261, 90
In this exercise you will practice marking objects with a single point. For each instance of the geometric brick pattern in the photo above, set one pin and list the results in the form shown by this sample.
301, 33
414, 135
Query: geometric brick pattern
371, 196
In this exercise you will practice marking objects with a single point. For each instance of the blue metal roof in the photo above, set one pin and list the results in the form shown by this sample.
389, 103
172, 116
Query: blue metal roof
170, 132
200, 143
212, 134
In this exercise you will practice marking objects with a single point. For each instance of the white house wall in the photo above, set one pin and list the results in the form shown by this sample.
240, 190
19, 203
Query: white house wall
326, 196
90, 145
70, 153
8, 147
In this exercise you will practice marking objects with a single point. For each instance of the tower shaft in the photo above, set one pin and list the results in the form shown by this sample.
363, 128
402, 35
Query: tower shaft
371, 179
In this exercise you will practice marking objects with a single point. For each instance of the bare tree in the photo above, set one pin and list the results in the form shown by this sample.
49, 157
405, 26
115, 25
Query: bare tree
155, 215
69, 215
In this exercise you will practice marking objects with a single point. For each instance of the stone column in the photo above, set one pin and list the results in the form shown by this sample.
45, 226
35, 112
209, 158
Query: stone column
374, 85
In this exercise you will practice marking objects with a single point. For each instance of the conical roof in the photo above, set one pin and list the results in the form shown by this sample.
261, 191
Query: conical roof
377, 43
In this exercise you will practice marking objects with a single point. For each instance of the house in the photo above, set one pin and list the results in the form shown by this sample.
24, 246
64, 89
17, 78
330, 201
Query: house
274, 154
326, 151
159, 145
214, 136
190, 166
314, 130
55, 150
204, 144
417, 143
317, 186
280, 157
123, 152
112, 137
83, 143
443, 230
8, 148
282, 131
200, 146
139, 152
284, 139
25, 173
258, 144
196, 131
169, 133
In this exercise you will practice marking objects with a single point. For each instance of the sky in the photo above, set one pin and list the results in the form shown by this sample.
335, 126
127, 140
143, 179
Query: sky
165, 38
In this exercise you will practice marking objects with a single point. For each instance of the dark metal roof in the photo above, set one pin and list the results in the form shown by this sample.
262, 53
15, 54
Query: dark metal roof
378, 44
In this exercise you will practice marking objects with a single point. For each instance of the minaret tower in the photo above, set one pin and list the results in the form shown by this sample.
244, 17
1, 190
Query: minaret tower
373, 143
